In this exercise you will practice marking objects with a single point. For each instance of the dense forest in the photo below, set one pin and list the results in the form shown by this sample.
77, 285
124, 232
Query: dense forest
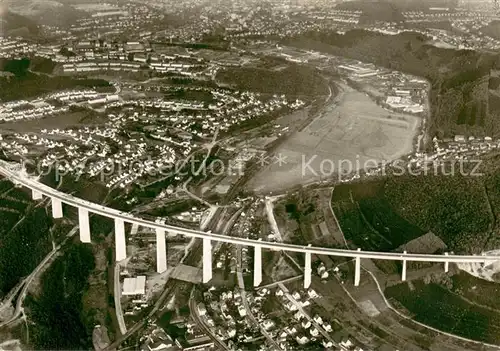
440, 204
27, 84
57, 312
294, 80
387, 213
25, 237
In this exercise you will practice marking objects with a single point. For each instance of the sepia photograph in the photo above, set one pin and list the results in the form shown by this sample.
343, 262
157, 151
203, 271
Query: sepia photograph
250, 175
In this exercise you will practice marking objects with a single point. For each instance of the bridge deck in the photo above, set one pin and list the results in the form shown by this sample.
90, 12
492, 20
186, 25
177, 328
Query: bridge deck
34, 185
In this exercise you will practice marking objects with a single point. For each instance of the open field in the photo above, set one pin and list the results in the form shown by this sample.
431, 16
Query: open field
457, 97
353, 131
92, 8
62, 120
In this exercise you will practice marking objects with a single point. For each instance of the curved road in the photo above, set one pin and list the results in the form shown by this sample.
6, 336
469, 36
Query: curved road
33, 184
26, 283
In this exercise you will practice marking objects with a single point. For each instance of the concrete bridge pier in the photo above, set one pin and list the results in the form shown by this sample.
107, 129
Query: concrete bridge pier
357, 272
307, 270
257, 265
120, 242
57, 211
207, 260
446, 264
403, 271
36, 195
84, 224
161, 251
487, 262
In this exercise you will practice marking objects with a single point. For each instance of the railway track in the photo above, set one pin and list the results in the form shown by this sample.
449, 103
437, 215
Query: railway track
192, 259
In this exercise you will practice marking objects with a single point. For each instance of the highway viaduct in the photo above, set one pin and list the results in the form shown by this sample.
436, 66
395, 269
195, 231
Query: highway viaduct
16, 174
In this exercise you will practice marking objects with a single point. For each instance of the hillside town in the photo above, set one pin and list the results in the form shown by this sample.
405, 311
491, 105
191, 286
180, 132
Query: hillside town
172, 175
